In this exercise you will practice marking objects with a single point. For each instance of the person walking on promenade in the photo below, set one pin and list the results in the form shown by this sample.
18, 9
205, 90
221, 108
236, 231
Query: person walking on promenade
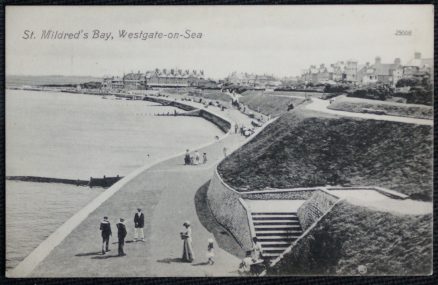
188, 255
210, 252
187, 158
225, 152
138, 225
197, 158
236, 127
204, 158
121, 233
105, 228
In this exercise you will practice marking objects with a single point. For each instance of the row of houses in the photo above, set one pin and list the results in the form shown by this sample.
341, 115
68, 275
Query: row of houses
154, 78
351, 71
252, 80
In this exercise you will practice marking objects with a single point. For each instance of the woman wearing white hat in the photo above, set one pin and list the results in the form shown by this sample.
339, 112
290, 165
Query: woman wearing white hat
188, 254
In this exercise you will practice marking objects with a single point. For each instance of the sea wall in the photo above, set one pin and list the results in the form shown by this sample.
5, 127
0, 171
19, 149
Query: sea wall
229, 211
315, 207
222, 124
169, 103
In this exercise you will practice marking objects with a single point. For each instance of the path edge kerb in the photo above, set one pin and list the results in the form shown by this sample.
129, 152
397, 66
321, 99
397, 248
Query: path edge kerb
27, 265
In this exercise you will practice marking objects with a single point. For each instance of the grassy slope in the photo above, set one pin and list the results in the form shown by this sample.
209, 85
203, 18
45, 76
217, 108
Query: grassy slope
305, 149
215, 95
268, 104
395, 109
350, 236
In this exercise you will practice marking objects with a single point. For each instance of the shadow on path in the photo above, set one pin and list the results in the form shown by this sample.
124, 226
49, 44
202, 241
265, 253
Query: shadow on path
200, 263
89, 253
207, 219
170, 260
106, 256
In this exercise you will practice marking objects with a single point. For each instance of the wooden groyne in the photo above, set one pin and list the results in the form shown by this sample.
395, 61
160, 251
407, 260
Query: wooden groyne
104, 182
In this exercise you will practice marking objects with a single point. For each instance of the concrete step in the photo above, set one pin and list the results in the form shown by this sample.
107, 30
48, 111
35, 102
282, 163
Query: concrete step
277, 239
271, 255
279, 233
275, 243
275, 246
273, 251
275, 218
273, 214
277, 223
278, 228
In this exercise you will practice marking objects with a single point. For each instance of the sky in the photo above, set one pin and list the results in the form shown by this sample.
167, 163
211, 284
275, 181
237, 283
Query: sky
278, 40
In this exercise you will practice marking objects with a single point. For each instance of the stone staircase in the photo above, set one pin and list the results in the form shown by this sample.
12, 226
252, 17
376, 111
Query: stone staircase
276, 231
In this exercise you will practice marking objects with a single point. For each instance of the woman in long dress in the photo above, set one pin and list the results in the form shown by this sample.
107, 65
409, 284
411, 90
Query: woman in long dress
188, 254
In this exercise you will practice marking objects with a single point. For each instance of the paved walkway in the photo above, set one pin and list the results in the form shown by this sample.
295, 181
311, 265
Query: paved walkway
166, 194
321, 106
379, 202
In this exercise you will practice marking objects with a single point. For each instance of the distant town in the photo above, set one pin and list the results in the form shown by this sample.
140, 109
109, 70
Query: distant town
411, 82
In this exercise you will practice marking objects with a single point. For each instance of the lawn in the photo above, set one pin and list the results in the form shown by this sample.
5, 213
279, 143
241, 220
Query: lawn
212, 95
307, 149
350, 236
269, 104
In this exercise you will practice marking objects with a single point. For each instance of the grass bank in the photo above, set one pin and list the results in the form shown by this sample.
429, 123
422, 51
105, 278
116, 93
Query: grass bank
390, 108
212, 95
306, 149
351, 236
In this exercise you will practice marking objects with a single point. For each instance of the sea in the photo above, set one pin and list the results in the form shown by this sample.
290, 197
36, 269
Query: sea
77, 136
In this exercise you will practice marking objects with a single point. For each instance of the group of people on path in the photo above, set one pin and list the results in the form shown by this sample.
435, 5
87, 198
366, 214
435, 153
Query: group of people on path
194, 159
105, 228
188, 255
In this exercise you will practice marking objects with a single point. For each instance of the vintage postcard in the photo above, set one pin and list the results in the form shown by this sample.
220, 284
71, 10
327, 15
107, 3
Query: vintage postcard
161, 141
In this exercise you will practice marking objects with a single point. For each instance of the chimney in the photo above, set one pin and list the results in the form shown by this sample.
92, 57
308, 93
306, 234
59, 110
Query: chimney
321, 65
367, 64
417, 55
378, 60
397, 61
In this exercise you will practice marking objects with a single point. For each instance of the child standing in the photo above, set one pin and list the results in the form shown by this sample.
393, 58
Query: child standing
210, 252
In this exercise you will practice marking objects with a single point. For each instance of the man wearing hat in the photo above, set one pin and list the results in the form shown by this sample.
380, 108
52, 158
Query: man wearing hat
121, 233
138, 225
105, 228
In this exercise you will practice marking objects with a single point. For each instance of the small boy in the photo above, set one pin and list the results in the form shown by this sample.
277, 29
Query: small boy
210, 252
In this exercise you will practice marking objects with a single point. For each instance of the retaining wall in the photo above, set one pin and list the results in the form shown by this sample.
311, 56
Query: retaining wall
315, 207
229, 211
222, 124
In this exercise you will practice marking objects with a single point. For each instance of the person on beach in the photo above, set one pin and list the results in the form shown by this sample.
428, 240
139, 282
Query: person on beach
138, 225
105, 228
197, 158
204, 158
187, 158
210, 252
188, 255
121, 234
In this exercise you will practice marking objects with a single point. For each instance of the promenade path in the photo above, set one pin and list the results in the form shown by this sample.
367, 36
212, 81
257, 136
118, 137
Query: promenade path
166, 193
321, 106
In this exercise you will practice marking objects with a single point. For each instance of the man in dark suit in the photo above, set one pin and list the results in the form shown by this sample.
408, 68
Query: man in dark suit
105, 228
138, 225
121, 233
